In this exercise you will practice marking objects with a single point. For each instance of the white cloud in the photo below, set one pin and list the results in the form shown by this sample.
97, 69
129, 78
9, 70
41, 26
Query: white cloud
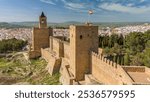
130, 4
125, 9
73, 5
49, 1
142, 1
67, 4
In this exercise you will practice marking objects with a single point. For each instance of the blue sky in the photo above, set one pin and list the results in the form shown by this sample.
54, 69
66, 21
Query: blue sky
75, 10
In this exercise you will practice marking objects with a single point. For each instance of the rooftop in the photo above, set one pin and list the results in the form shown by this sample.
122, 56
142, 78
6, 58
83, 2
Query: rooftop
42, 15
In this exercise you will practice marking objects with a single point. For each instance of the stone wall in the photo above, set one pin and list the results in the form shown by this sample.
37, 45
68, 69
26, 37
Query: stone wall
147, 70
60, 47
46, 54
54, 62
134, 68
100, 50
53, 66
66, 77
66, 50
40, 38
57, 46
34, 54
83, 39
108, 72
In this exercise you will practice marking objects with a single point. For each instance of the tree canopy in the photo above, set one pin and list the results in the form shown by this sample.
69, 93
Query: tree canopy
133, 49
12, 45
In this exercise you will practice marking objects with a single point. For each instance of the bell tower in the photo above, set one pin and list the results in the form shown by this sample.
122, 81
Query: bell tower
40, 37
43, 21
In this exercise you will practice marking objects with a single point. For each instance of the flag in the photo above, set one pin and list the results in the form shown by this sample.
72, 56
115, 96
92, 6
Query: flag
91, 12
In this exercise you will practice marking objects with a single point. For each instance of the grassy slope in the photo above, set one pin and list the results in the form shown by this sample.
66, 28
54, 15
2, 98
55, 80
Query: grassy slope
17, 70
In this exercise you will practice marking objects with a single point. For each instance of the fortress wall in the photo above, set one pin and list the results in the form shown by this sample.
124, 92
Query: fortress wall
103, 72
40, 38
100, 50
61, 48
56, 45
51, 43
134, 68
59, 37
66, 50
66, 78
147, 70
108, 72
53, 62
34, 54
66, 75
124, 77
46, 54
53, 66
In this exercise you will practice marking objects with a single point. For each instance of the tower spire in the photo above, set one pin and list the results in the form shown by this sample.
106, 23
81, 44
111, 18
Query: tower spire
42, 15
43, 20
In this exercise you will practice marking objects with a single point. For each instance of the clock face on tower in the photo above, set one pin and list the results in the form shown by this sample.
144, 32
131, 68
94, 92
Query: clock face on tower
42, 21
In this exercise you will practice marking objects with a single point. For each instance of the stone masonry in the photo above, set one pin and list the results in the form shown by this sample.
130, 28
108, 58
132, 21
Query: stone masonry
80, 61
40, 37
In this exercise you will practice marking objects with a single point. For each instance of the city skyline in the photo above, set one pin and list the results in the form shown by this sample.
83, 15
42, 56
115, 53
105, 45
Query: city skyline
75, 10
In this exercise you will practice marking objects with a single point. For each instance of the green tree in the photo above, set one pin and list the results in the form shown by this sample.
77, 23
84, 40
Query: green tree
126, 59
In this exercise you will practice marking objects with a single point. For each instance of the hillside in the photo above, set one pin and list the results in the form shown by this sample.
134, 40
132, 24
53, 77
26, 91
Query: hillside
65, 24
10, 25
15, 69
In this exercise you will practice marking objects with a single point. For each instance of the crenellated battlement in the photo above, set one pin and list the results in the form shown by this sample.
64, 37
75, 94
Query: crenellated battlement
56, 51
105, 60
108, 71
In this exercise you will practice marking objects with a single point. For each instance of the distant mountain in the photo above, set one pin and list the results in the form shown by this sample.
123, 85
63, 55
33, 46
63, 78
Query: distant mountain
27, 24
73, 22
9, 25
66, 24
33, 24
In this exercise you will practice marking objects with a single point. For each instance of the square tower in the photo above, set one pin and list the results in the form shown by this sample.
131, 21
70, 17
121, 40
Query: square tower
43, 21
40, 36
83, 40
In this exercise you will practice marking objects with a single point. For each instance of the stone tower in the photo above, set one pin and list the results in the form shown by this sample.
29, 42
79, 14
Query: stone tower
83, 40
43, 21
40, 37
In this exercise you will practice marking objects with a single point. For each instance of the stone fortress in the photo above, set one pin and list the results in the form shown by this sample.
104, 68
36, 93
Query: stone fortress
80, 61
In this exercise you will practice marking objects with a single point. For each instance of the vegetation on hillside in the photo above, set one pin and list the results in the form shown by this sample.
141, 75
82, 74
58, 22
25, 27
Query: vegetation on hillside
12, 45
17, 70
133, 49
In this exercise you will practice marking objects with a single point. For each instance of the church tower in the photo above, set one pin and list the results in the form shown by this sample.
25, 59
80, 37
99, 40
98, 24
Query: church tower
43, 21
83, 40
40, 37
